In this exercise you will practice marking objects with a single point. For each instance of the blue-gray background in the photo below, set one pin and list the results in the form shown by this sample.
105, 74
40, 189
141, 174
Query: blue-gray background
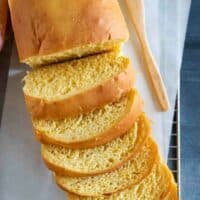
190, 108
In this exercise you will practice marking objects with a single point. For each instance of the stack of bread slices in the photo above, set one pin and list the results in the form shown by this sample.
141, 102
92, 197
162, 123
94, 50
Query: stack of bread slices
85, 111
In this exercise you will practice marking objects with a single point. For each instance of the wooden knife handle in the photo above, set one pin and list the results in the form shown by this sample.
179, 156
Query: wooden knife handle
136, 11
155, 77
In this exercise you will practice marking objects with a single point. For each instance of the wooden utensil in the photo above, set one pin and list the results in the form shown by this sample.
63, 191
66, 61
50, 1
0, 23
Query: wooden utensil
136, 11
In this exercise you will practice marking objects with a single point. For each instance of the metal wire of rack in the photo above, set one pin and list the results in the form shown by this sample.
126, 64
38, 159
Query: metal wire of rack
174, 147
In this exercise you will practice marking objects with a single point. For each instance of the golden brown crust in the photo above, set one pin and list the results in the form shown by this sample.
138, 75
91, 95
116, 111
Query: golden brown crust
169, 180
47, 27
172, 193
107, 92
132, 113
144, 128
3, 21
72, 197
154, 160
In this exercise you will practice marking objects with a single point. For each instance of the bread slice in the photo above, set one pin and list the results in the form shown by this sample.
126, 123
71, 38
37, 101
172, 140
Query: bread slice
153, 187
54, 31
130, 173
100, 159
66, 89
94, 128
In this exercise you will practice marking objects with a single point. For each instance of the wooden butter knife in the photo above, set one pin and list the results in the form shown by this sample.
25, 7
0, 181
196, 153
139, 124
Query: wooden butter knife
136, 11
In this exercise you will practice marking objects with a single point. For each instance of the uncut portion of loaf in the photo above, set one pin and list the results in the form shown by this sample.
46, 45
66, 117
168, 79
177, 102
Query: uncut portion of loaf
54, 31
130, 173
101, 159
65, 89
153, 187
93, 128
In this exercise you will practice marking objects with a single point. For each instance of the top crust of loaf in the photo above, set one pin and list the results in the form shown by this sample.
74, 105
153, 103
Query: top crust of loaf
46, 27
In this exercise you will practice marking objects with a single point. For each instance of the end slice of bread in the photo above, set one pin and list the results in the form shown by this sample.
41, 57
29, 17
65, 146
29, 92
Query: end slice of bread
100, 159
153, 187
131, 173
70, 88
93, 128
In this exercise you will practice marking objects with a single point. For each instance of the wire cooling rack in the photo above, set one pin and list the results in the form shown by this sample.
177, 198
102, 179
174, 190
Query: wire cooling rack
174, 148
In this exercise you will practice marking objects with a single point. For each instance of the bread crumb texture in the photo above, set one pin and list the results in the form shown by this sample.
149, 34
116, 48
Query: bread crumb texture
93, 159
129, 174
98, 159
63, 80
153, 187
83, 126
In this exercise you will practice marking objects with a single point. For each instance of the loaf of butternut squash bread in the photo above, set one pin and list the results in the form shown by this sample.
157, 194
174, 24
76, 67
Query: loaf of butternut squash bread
95, 138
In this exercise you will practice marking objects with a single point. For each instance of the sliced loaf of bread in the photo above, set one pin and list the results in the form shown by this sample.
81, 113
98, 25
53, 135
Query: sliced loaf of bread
153, 187
70, 88
100, 159
94, 128
130, 173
